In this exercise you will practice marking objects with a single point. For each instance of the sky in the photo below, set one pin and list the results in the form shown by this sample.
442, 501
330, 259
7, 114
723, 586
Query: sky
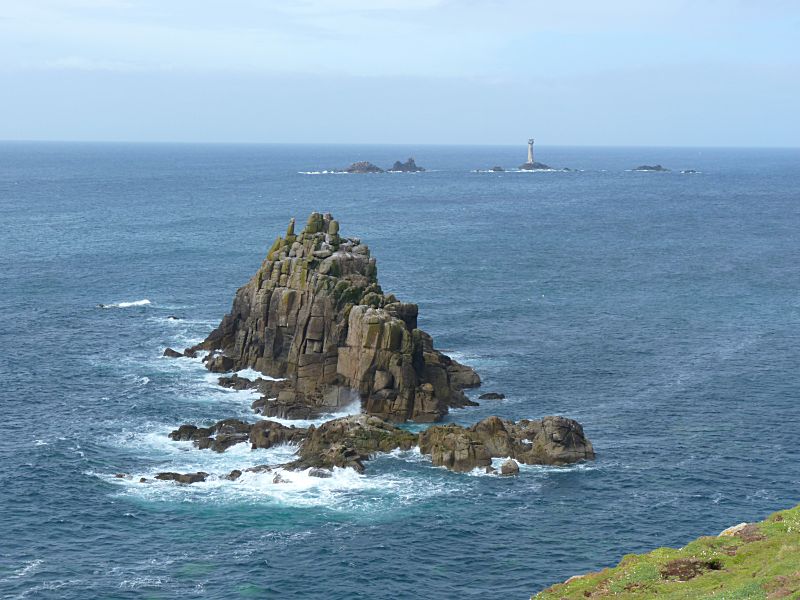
569, 72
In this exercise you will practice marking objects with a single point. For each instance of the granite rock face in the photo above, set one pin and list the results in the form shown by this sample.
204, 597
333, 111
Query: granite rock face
549, 441
315, 315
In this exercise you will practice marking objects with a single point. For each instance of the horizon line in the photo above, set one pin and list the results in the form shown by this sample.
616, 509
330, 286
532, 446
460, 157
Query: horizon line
387, 144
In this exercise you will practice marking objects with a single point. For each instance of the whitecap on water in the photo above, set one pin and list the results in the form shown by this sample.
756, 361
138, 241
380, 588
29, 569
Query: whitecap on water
323, 173
28, 568
143, 302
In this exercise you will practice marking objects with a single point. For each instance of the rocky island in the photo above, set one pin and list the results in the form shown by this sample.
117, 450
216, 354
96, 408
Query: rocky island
362, 166
534, 166
653, 168
315, 321
406, 167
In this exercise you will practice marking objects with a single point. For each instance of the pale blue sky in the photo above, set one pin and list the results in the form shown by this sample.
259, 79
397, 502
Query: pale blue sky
619, 72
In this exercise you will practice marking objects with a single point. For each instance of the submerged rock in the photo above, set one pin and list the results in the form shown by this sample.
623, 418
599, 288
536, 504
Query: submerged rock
320, 473
363, 167
498, 169
315, 314
492, 396
549, 441
650, 168
406, 167
510, 467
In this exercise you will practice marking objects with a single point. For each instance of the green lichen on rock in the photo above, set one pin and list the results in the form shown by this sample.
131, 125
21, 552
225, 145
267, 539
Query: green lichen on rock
315, 224
748, 561
276, 245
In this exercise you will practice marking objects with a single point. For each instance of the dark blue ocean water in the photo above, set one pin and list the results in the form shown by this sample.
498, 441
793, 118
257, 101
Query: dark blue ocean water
662, 310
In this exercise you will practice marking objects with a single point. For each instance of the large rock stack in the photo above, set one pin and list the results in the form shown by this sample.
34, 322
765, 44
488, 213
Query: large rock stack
315, 314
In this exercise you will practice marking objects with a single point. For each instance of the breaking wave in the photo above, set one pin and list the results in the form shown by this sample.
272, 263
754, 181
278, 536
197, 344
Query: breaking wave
143, 302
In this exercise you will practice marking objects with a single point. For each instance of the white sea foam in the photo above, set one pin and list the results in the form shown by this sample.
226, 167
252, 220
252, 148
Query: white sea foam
27, 569
323, 173
354, 408
141, 582
344, 490
253, 374
143, 302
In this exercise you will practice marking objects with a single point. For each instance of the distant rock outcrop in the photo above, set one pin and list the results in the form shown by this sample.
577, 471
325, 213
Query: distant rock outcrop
656, 168
315, 314
406, 167
363, 167
534, 166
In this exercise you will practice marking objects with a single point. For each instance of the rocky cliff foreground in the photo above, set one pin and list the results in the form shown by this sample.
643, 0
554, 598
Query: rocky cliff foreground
747, 561
315, 321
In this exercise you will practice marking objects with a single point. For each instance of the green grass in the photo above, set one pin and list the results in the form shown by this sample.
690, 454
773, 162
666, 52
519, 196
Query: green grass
762, 562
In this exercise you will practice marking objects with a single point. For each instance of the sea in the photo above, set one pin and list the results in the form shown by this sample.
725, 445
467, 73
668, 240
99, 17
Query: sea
659, 309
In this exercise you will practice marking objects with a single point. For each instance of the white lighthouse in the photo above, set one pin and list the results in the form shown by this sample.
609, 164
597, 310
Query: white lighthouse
531, 164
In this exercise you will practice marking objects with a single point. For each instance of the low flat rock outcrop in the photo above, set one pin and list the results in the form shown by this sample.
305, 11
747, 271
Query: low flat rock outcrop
534, 166
183, 478
349, 441
657, 168
549, 441
224, 434
315, 314
410, 166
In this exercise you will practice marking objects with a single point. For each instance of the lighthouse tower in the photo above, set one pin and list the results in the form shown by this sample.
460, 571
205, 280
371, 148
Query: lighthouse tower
530, 151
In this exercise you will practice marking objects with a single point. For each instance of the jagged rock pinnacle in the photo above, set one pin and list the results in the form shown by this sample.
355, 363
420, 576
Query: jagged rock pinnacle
315, 314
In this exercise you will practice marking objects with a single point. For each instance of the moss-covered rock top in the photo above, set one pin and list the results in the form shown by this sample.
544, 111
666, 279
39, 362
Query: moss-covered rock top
755, 561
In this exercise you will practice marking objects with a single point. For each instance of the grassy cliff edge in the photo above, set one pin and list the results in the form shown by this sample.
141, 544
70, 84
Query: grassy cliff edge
747, 561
